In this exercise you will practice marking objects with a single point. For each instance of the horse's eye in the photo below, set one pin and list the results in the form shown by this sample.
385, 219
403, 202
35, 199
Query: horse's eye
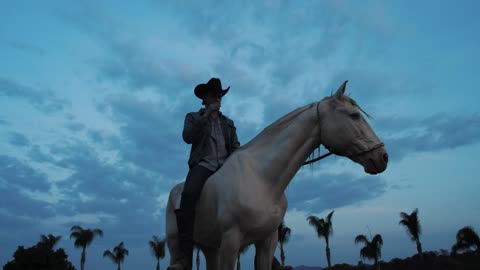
355, 116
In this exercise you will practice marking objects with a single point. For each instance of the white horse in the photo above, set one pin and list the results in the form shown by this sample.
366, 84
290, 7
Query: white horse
244, 202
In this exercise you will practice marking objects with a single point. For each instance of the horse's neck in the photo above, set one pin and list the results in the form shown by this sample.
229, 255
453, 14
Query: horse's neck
279, 151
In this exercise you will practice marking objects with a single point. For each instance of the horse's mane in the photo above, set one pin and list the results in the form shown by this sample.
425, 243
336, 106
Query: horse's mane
279, 124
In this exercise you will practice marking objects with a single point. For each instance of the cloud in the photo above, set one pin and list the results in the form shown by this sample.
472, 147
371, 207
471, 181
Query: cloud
10, 222
18, 139
91, 219
19, 207
151, 134
4, 122
37, 155
18, 175
75, 126
26, 47
332, 191
44, 101
118, 194
133, 60
440, 131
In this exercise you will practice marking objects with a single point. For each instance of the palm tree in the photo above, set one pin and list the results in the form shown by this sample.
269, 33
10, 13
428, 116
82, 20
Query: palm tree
157, 246
371, 250
412, 224
83, 238
240, 252
118, 254
324, 229
49, 241
283, 237
467, 238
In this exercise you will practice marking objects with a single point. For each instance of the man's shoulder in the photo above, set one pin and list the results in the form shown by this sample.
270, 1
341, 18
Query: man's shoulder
196, 114
227, 119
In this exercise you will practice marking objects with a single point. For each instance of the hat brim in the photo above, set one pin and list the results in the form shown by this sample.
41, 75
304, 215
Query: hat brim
202, 90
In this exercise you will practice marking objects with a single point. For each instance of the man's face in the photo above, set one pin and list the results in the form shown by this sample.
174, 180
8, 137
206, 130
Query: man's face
213, 97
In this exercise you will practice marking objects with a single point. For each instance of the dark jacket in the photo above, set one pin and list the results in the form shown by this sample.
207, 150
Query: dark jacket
196, 131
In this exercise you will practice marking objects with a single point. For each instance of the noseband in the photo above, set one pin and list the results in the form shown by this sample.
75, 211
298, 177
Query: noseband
379, 145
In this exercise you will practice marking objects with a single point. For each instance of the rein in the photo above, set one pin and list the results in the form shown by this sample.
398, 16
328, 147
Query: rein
330, 152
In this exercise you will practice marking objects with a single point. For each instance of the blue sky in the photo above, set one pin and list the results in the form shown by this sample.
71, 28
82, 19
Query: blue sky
93, 97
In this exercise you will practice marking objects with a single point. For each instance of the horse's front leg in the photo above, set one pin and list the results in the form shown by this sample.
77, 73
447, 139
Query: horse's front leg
228, 251
264, 251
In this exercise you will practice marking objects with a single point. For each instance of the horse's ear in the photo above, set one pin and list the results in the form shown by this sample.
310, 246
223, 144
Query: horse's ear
341, 90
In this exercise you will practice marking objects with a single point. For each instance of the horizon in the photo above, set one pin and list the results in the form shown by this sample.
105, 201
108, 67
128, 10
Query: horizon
94, 96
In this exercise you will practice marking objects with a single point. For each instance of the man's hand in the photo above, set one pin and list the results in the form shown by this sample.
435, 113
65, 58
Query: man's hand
213, 108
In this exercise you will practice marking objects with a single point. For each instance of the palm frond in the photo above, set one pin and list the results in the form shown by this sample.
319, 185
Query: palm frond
329, 217
75, 235
377, 240
157, 247
404, 216
283, 233
365, 253
76, 228
467, 238
361, 239
110, 255
97, 232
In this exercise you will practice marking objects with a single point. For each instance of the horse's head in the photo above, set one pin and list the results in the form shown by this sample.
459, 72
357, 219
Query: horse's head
345, 132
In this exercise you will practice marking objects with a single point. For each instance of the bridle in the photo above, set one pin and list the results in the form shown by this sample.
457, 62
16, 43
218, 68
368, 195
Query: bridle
379, 145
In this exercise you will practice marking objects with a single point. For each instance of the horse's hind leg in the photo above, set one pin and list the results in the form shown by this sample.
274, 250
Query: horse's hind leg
211, 257
173, 244
171, 231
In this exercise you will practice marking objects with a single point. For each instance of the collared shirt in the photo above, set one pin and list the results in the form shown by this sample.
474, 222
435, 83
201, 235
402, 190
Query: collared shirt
217, 151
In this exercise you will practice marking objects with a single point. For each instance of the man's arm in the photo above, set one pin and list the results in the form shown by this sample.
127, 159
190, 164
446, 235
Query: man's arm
235, 142
194, 127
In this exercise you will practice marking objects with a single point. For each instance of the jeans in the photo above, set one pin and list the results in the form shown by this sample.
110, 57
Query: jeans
196, 178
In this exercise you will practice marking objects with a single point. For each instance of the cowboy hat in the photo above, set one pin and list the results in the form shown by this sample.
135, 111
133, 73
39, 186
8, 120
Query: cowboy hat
214, 84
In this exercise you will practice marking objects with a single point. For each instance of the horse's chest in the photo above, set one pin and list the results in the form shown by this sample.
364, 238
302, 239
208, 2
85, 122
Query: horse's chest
262, 218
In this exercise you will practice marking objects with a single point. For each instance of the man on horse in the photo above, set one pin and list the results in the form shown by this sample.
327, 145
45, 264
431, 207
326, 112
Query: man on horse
213, 137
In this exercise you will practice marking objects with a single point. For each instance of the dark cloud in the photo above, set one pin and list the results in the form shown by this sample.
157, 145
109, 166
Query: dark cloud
120, 190
4, 122
369, 86
18, 139
26, 47
20, 206
12, 222
44, 101
108, 182
96, 136
151, 136
440, 131
332, 191
138, 70
75, 126
127, 193
251, 52
128, 62
21, 176
37, 155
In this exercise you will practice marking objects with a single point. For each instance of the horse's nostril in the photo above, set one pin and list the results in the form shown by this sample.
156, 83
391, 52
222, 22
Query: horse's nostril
385, 157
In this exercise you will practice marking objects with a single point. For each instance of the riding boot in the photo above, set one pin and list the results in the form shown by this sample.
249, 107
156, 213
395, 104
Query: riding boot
185, 234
